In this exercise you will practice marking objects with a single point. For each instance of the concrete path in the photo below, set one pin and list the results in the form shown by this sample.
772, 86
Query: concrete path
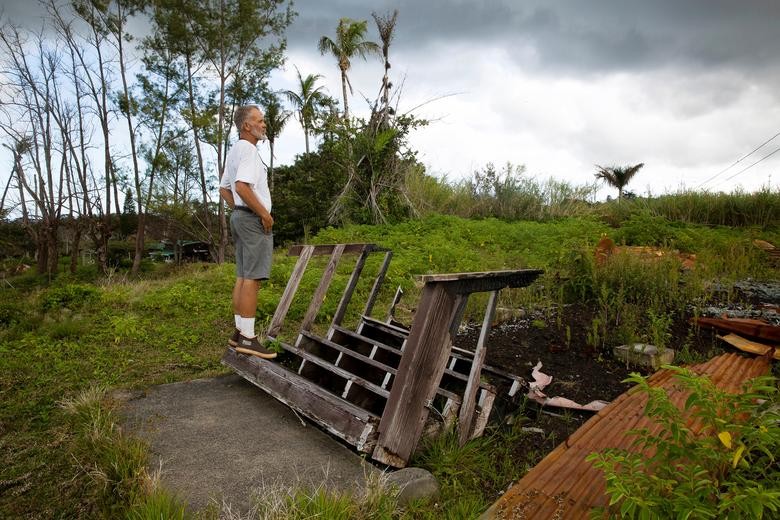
223, 439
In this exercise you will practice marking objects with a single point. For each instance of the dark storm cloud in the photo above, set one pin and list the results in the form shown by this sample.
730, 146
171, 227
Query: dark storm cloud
575, 36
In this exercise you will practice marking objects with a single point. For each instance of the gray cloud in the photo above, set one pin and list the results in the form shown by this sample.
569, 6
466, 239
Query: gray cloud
576, 36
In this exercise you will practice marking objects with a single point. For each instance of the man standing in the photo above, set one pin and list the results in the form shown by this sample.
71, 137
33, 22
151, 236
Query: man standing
244, 186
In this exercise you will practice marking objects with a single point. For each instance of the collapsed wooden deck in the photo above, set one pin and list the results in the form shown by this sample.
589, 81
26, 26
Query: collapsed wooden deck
565, 485
375, 386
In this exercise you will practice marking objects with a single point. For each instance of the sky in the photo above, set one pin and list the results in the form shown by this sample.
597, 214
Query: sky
687, 87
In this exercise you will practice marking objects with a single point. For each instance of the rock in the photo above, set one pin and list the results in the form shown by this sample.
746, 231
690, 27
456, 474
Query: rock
644, 355
413, 484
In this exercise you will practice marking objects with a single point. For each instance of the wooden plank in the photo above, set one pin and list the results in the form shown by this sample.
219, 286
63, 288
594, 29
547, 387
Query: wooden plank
750, 346
367, 340
466, 283
327, 249
485, 407
338, 316
469, 397
311, 358
419, 373
341, 418
396, 298
289, 292
351, 353
322, 288
380, 277
377, 364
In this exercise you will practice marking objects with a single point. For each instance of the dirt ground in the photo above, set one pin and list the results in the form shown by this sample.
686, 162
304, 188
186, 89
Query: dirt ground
579, 373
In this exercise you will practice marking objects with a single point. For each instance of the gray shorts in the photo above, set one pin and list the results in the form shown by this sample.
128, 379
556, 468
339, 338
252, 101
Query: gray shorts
254, 247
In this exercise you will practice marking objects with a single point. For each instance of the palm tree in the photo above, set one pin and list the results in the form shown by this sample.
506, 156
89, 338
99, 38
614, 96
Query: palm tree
386, 27
305, 101
618, 176
349, 43
275, 119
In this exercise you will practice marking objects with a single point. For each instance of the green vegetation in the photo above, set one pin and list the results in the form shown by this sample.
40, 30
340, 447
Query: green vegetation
61, 338
729, 469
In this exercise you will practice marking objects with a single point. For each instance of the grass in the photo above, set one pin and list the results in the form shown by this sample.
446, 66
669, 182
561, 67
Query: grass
62, 338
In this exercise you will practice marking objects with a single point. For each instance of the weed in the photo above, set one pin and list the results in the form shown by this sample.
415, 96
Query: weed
726, 469
660, 324
72, 296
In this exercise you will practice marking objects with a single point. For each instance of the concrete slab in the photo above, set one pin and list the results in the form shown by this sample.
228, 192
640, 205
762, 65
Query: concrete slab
222, 439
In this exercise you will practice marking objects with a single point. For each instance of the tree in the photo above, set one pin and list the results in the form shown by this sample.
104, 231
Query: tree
232, 36
618, 176
305, 101
350, 42
386, 27
275, 119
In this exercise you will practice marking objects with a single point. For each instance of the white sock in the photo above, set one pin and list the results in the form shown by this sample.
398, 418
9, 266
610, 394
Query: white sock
248, 327
237, 317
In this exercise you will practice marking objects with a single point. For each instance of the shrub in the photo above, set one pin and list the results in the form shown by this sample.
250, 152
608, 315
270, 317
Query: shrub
728, 469
70, 295
11, 312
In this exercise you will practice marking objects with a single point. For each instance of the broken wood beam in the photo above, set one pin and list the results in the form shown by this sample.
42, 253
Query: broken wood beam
341, 418
751, 346
467, 283
289, 292
327, 249
380, 278
469, 397
770, 333
341, 310
322, 288
419, 373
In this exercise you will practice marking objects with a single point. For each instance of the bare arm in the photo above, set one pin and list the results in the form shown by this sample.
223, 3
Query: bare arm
250, 199
227, 195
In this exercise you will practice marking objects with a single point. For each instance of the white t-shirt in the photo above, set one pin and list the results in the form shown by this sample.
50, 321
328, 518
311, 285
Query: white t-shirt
243, 164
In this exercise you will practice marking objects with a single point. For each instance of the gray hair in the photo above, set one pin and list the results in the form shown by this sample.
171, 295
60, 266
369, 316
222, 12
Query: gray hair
241, 114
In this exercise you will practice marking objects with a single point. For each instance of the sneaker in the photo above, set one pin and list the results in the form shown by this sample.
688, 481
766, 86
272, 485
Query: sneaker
253, 347
233, 341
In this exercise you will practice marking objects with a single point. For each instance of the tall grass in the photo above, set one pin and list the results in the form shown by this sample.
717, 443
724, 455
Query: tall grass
510, 193
507, 194
114, 463
736, 209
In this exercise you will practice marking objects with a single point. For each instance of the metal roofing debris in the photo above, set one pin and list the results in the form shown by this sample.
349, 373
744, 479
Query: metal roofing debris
565, 485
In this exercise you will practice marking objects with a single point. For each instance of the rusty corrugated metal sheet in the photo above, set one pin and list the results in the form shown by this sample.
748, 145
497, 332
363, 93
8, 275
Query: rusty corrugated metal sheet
565, 486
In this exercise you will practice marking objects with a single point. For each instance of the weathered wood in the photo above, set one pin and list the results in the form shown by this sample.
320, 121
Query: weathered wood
750, 346
463, 378
316, 360
371, 324
419, 373
396, 298
327, 249
322, 288
380, 278
341, 310
341, 418
466, 283
469, 397
485, 405
349, 352
289, 292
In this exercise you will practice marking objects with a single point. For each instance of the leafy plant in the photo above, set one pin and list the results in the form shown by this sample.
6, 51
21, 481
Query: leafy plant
659, 327
715, 458
69, 295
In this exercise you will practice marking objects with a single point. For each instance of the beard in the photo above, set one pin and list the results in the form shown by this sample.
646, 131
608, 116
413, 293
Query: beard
257, 134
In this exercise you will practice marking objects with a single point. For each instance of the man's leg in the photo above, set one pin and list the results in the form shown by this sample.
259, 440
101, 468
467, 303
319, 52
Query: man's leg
236, 295
248, 342
247, 305
233, 341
